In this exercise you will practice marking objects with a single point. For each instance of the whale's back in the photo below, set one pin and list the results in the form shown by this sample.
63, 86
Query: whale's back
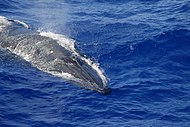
52, 54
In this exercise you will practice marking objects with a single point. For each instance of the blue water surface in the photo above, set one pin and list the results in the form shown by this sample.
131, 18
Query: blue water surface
143, 46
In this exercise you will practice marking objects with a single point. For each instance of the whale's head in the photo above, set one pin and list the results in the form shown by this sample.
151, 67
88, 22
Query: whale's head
85, 74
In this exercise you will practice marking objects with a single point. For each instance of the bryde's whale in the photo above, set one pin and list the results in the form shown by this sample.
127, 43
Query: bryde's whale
51, 53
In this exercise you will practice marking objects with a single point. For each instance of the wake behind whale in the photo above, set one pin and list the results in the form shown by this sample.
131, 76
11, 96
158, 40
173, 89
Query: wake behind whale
51, 53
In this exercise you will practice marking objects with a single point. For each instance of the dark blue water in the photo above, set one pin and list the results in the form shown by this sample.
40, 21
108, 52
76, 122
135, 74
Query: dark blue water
143, 47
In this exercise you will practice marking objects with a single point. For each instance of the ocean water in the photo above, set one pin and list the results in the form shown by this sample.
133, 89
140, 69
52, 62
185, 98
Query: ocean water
142, 46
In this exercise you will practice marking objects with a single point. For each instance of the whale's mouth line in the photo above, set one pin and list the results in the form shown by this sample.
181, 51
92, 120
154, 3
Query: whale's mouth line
54, 54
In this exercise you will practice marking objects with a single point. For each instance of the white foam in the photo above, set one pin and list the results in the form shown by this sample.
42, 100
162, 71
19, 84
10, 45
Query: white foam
131, 47
61, 40
64, 76
69, 44
22, 23
4, 23
25, 56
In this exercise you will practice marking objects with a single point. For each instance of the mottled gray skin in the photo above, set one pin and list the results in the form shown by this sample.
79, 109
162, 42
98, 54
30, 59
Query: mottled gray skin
47, 55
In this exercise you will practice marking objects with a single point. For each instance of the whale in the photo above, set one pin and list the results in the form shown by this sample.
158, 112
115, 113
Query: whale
52, 53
